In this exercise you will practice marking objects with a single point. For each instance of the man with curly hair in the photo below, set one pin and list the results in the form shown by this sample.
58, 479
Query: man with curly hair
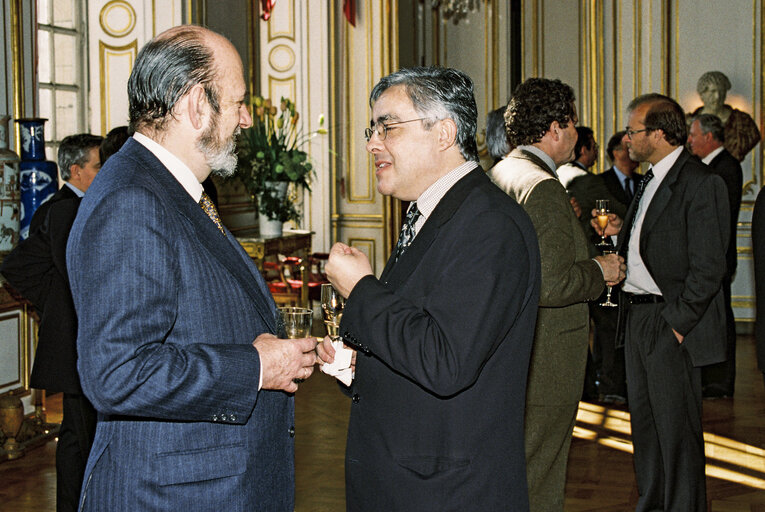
540, 122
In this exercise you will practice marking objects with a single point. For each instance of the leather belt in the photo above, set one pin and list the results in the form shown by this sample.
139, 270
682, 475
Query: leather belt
643, 299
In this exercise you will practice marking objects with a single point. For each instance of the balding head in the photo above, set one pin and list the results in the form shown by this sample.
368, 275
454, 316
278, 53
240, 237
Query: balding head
167, 68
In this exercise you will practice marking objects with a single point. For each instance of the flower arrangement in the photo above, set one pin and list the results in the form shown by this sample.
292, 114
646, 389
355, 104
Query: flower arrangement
270, 154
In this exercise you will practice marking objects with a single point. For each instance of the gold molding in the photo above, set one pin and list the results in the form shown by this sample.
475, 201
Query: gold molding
289, 54
333, 167
17, 52
290, 81
22, 382
104, 49
370, 244
290, 33
113, 4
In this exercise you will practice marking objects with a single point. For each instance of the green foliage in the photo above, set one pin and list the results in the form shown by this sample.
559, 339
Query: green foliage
270, 151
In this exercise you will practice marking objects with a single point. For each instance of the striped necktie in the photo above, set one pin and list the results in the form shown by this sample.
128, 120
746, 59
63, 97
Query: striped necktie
629, 223
209, 208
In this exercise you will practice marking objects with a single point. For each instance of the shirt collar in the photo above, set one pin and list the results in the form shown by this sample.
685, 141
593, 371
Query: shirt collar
711, 156
76, 190
429, 199
541, 154
622, 177
177, 168
665, 164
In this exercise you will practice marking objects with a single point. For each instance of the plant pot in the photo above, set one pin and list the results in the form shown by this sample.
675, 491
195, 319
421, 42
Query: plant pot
269, 227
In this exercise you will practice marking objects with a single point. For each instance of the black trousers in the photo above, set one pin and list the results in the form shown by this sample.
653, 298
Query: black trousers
608, 360
78, 428
664, 390
720, 378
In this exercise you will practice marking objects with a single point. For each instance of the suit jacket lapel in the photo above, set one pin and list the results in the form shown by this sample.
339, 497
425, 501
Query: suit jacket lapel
662, 196
210, 236
395, 274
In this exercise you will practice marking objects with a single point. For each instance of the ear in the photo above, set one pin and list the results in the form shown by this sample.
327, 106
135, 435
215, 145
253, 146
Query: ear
447, 133
555, 130
74, 171
196, 106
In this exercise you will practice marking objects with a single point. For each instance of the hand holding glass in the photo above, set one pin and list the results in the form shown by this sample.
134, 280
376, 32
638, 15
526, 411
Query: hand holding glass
602, 209
332, 304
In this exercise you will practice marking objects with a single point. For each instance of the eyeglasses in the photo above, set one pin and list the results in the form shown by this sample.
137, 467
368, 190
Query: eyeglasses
381, 129
630, 133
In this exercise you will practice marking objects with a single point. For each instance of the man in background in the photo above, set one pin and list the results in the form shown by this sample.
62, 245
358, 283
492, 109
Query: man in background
444, 335
193, 414
585, 156
36, 268
705, 140
540, 122
618, 184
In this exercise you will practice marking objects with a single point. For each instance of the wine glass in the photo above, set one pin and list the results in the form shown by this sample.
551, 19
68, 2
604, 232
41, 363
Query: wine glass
602, 209
332, 304
608, 302
296, 321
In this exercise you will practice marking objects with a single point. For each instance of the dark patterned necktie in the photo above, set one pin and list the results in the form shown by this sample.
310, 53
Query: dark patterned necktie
631, 219
407, 230
209, 207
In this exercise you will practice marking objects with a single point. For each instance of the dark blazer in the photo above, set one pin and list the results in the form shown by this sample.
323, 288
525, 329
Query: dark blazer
682, 243
37, 269
444, 339
758, 247
42, 211
168, 308
728, 168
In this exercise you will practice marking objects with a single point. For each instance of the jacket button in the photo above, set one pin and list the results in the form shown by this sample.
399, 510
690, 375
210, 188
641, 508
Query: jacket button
223, 417
232, 418
291, 431
355, 398
215, 417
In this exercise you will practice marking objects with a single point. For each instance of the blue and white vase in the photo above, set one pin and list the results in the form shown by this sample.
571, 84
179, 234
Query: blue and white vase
39, 177
9, 191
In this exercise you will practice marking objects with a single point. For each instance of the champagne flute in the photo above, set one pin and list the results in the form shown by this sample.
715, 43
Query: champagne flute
332, 304
602, 209
608, 302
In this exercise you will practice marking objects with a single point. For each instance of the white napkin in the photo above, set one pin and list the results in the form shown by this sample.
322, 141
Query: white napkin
340, 368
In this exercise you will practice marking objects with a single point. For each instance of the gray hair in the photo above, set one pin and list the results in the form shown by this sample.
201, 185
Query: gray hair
75, 150
716, 78
710, 123
439, 93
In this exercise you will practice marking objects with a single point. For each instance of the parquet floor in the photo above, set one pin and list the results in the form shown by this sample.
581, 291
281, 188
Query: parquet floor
600, 474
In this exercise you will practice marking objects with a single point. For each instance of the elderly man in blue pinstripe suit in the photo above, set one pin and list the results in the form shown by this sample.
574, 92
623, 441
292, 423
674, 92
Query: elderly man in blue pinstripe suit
175, 343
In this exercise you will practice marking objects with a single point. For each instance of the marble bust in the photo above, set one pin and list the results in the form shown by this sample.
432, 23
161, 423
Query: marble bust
741, 132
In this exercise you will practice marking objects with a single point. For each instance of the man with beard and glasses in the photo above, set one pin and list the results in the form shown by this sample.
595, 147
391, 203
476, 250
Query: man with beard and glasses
175, 340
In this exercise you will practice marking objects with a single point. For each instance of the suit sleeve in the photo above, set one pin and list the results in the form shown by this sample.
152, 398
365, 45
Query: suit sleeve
565, 281
707, 235
125, 268
30, 268
485, 281
758, 248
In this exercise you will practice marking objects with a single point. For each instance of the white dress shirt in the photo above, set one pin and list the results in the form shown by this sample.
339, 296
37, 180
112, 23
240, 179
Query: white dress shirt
177, 168
711, 156
639, 280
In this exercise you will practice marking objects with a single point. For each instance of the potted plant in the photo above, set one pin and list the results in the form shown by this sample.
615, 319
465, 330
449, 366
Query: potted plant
270, 159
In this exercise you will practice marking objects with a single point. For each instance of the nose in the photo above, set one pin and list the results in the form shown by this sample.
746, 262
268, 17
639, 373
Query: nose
626, 139
374, 144
245, 119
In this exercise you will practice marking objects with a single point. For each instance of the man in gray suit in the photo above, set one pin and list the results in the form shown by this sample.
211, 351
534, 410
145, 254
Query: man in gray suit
540, 121
193, 414
705, 140
674, 239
